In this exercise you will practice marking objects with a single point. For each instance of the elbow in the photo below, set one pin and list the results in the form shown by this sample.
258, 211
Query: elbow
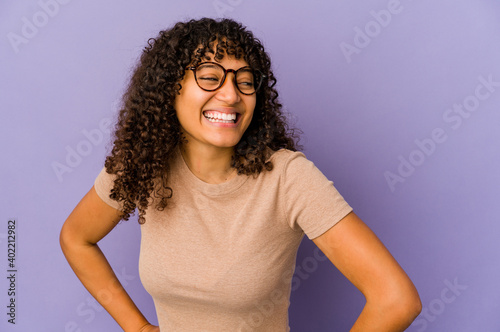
405, 307
412, 308
67, 239
71, 241
417, 305
412, 302
399, 305
63, 239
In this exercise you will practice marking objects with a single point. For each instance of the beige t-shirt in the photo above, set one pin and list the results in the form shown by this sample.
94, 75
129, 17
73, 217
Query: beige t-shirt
221, 257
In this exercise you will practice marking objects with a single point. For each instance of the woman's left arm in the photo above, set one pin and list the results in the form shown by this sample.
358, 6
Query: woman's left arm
392, 301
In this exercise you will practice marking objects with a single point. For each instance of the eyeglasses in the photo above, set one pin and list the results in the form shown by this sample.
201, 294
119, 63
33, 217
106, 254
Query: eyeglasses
210, 76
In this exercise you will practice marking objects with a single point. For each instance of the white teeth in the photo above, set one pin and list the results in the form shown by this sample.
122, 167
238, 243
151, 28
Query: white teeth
221, 121
220, 117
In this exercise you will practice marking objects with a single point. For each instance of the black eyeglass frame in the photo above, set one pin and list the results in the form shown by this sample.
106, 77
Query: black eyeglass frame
259, 75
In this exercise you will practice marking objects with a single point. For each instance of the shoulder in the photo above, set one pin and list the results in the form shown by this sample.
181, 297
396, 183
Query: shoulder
103, 184
286, 160
105, 179
282, 156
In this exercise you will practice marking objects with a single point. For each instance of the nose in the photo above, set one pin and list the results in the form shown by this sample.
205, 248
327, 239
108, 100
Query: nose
228, 92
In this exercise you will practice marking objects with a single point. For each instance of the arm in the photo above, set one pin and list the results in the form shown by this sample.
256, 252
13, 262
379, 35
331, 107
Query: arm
392, 302
89, 222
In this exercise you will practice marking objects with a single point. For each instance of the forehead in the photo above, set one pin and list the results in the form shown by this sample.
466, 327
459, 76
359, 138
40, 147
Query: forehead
228, 62
222, 52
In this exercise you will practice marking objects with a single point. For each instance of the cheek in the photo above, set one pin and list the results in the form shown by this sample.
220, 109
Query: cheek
250, 104
251, 108
254, 103
187, 101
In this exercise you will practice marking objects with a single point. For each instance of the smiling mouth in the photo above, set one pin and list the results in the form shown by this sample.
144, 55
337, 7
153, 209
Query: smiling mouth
220, 117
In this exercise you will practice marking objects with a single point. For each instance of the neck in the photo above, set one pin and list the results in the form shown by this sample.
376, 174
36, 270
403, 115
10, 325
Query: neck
209, 164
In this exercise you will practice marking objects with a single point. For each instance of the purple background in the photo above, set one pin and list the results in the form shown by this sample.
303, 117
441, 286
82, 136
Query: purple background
361, 115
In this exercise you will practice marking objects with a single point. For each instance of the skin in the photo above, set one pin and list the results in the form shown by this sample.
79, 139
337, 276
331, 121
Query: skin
392, 301
90, 221
210, 145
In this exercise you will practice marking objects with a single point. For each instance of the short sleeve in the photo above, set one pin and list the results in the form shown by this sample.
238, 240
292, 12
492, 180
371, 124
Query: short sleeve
103, 185
312, 203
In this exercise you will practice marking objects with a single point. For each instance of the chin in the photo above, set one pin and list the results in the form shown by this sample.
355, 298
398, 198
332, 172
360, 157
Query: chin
226, 143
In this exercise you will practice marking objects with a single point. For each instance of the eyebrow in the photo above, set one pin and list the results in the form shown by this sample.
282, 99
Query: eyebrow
214, 65
210, 64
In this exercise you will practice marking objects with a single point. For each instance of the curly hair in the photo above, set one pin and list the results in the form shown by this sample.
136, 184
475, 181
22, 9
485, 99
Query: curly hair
148, 130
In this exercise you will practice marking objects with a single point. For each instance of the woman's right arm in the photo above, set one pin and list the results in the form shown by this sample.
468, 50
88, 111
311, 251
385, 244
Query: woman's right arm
90, 221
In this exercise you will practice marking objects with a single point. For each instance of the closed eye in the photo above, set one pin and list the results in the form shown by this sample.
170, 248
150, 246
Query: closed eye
209, 79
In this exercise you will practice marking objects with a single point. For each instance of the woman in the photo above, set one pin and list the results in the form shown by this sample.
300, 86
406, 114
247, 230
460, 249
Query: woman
203, 152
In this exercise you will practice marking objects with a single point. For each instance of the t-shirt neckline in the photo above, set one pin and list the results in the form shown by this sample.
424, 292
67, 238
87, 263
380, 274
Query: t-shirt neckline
212, 189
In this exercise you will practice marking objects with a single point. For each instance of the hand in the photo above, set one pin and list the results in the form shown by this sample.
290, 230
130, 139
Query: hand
150, 328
